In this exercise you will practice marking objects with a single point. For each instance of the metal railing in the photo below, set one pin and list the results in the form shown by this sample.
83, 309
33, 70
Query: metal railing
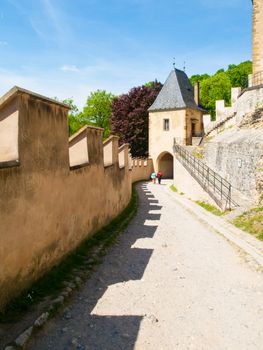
214, 184
256, 79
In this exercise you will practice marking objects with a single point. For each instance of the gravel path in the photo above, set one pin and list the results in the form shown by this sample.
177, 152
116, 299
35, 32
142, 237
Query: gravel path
169, 283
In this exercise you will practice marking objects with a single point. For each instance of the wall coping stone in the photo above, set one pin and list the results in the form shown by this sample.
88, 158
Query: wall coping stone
18, 90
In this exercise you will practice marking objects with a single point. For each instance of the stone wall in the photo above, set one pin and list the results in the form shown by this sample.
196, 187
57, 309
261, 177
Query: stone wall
247, 102
236, 156
54, 191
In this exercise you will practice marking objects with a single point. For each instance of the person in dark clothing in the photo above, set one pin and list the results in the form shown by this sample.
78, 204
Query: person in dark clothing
159, 177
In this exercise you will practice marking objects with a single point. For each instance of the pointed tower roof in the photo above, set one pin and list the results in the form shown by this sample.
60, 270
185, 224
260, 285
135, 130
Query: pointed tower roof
177, 93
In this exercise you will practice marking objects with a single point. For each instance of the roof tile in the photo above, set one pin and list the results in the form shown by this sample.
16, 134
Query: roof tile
177, 93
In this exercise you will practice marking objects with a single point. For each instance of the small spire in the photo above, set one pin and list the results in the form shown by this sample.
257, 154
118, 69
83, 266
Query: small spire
174, 62
184, 68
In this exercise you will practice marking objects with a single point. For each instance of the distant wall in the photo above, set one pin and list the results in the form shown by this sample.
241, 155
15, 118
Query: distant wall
242, 103
54, 192
141, 169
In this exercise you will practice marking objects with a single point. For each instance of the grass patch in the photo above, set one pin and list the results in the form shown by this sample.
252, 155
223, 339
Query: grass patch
85, 257
209, 138
211, 208
252, 222
198, 153
173, 188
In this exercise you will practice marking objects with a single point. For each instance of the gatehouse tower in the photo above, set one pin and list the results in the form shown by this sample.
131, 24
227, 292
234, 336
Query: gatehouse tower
175, 114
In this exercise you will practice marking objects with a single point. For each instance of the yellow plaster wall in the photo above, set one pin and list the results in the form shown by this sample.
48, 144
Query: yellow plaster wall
141, 169
180, 129
161, 140
47, 208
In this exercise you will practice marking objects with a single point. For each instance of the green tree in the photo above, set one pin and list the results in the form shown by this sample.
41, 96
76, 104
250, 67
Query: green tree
239, 74
74, 116
151, 84
216, 87
97, 110
198, 77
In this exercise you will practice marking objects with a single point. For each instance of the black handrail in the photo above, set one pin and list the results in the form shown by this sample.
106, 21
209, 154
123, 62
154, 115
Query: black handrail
257, 79
214, 184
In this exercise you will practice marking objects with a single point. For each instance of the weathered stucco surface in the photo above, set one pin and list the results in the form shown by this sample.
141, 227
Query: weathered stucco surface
47, 207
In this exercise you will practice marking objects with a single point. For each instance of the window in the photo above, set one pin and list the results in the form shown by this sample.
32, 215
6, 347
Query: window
166, 124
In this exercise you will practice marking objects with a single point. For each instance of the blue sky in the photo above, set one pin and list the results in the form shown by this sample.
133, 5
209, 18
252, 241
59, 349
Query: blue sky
68, 48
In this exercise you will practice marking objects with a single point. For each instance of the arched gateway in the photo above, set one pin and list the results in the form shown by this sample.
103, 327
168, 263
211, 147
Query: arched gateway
165, 164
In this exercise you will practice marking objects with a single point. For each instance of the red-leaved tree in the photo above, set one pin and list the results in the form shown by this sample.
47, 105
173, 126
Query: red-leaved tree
129, 118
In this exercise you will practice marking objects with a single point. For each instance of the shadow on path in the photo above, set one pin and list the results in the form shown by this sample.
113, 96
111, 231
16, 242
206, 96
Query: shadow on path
76, 327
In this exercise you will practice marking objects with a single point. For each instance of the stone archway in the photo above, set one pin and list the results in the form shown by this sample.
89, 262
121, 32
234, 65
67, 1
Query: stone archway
165, 164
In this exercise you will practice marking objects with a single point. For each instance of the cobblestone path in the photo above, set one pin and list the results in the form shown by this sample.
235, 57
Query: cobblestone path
169, 283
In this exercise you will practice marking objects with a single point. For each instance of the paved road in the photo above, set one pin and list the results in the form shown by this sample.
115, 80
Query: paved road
170, 283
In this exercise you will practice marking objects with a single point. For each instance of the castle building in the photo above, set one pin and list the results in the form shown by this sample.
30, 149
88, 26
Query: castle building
257, 36
175, 114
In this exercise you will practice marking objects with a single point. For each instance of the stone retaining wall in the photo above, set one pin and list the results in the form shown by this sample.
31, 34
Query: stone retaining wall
236, 156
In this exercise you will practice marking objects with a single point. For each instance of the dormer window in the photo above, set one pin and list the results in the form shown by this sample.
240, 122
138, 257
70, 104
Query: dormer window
166, 124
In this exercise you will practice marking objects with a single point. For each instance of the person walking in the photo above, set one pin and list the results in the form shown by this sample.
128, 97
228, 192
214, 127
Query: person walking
153, 177
159, 177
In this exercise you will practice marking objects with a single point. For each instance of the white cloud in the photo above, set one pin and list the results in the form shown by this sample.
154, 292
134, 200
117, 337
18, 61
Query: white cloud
36, 26
44, 18
69, 68
3, 43
52, 14
57, 19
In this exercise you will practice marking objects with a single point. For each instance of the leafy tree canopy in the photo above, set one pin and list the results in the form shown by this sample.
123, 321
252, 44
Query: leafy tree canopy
97, 110
218, 86
129, 118
73, 108
151, 84
239, 74
198, 77
74, 115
